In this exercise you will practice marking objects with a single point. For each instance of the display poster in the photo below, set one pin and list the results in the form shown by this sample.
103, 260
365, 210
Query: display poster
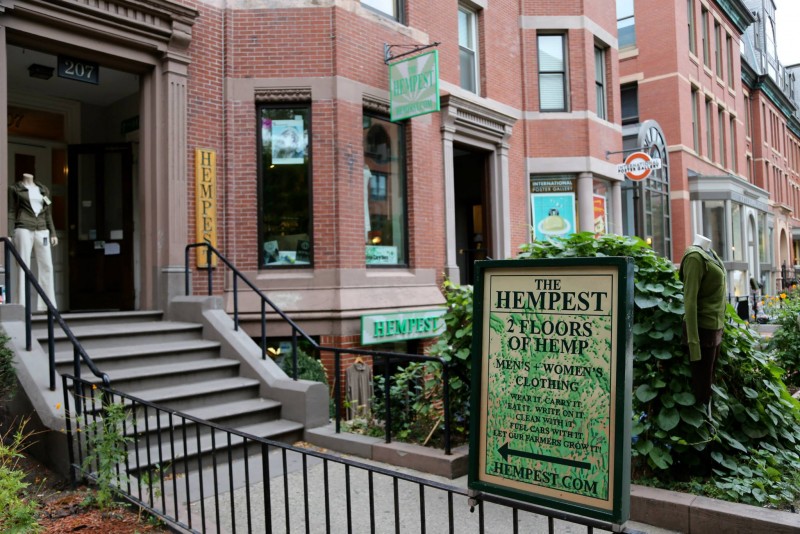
552, 360
288, 142
600, 216
553, 206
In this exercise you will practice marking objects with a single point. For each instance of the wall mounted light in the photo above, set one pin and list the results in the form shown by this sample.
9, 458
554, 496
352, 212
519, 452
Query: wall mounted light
42, 72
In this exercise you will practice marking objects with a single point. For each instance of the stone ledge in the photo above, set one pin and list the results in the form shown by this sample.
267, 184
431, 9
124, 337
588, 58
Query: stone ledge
425, 459
693, 514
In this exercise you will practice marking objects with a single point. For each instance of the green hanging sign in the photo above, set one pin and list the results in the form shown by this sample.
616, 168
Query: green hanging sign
414, 86
551, 384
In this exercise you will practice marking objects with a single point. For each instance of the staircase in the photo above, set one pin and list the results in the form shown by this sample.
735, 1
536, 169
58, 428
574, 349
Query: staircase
193, 367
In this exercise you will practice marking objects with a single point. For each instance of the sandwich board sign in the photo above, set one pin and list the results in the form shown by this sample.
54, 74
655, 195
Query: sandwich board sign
551, 383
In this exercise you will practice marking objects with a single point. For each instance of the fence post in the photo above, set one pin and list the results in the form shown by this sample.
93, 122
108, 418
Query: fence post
337, 389
51, 349
7, 266
446, 378
387, 397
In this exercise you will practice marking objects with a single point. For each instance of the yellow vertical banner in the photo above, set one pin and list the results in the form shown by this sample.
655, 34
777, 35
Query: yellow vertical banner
205, 165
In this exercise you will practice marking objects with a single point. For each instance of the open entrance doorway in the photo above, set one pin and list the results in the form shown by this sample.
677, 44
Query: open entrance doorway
472, 217
74, 123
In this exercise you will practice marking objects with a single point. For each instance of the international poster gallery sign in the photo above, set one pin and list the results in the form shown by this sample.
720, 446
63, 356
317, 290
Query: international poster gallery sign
551, 383
414, 86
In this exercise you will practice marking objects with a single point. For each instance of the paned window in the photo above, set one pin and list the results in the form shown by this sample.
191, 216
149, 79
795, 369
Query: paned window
706, 43
690, 18
600, 81
729, 48
714, 225
385, 225
552, 73
709, 130
696, 120
626, 23
392, 8
723, 159
718, 49
285, 186
468, 48
732, 137
629, 97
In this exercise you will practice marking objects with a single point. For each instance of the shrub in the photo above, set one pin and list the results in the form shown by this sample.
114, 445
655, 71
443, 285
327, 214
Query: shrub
17, 509
785, 342
8, 375
308, 367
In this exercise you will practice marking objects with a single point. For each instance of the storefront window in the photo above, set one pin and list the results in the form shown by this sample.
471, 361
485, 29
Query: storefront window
714, 226
384, 192
285, 169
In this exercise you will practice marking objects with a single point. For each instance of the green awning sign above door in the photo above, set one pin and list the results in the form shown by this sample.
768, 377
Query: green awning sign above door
414, 86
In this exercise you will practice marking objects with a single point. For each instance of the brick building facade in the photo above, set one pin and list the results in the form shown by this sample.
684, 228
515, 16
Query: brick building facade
335, 211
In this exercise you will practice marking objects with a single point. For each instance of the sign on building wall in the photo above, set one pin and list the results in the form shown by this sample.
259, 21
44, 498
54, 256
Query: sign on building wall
205, 174
553, 206
638, 166
414, 86
552, 364
391, 327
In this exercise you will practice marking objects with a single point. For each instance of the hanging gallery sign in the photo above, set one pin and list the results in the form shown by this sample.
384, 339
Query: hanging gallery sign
205, 179
551, 383
552, 206
414, 86
638, 166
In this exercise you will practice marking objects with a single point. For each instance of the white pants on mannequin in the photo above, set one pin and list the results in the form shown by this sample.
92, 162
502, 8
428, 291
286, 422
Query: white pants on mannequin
38, 243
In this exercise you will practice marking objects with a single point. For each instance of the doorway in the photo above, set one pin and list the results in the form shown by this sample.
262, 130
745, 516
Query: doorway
472, 217
101, 227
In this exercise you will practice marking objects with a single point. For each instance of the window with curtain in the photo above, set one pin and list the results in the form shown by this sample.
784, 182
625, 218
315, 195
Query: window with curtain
468, 48
385, 224
552, 72
626, 23
285, 186
600, 81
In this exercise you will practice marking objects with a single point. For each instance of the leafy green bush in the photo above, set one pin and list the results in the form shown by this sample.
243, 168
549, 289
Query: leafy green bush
785, 342
106, 451
753, 434
8, 375
17, 508
308, 367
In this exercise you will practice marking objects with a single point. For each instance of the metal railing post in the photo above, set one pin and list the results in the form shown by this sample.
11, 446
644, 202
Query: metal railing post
28, 312
235, 301
51, 350
186, 271
387, 397
337, 389
263, 330
7, 266
210, 272
446, 395
294, 352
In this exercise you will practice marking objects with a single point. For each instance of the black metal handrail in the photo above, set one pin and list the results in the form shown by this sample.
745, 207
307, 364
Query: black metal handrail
53, 315
387, 357
185, 471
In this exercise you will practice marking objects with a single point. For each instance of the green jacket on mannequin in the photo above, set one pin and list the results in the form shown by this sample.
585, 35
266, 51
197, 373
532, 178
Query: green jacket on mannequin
703, 276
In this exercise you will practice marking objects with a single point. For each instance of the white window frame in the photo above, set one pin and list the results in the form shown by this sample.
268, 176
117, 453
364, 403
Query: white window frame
563, 72
472, 30
600, 82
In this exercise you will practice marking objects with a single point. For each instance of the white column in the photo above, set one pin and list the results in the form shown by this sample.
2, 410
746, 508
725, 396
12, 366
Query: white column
585, 189
448, 131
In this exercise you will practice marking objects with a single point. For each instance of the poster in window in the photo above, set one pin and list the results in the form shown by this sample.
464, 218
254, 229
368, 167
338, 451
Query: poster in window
288, 142
553, 214
600, 216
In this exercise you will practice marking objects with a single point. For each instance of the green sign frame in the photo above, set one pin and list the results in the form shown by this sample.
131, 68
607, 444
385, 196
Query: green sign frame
414, 86
552, 363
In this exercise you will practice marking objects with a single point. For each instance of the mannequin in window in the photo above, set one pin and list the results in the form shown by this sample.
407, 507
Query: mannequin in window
34, 232
703, 275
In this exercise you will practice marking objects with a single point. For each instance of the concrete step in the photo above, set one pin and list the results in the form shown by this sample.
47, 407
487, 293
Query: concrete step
194, 453
186, 397
94, 337
171, 374
74, 320
143, 355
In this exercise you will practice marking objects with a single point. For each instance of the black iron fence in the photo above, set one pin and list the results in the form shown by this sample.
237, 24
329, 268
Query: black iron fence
202, 477
53, 316
384, 357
